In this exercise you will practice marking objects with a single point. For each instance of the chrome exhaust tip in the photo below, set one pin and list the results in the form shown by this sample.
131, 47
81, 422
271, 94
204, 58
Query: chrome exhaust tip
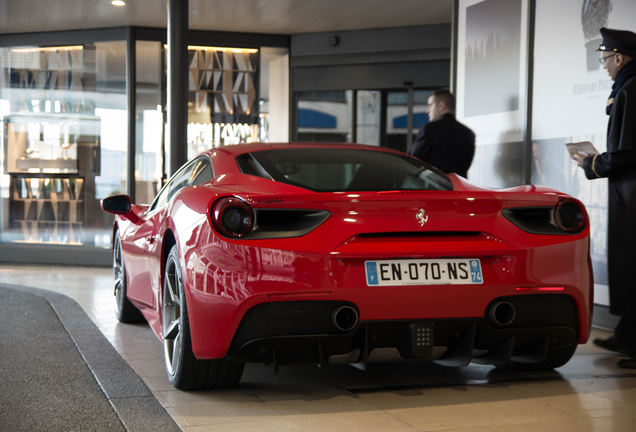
502, 313
344, 318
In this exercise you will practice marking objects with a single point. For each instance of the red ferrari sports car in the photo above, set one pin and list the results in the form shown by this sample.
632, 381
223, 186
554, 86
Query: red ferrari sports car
345, 253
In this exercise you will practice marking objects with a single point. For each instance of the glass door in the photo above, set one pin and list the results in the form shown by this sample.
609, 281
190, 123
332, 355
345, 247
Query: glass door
369, 117
325, 116
399, 105
373, 117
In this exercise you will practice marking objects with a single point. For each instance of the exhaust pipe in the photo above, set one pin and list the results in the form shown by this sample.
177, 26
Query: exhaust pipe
344, 318
502, 313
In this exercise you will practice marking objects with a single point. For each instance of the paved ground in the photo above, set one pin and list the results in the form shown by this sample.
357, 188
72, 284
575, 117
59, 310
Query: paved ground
589, 394
59, 373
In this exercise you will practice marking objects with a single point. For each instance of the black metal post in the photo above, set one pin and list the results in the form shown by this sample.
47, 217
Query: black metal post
409, 121
177, 84
532, 7
164, 116
293, 102
453, 59
384, 99
131, 105
354, 116
293, 114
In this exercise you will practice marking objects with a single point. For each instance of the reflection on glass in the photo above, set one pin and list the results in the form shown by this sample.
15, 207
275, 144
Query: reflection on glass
63, 112
397, 116
222, 97
150, 121
498, 165
325, 116
368, 116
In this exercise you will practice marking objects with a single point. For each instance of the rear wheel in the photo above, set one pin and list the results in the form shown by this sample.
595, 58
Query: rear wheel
185, 371
555, 358
126, 311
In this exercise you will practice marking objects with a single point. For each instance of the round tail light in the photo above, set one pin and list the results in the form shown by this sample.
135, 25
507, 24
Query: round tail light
232, 217
570, 215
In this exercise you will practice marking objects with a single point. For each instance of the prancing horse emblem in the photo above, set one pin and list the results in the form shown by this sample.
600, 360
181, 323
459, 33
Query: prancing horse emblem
421, 218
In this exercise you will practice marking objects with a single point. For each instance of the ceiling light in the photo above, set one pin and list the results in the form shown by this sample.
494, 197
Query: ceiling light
209, 48
118, 3
60, 48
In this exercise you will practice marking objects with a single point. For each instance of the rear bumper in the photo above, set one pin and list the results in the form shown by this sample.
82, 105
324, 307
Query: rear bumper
228, 282
267, 334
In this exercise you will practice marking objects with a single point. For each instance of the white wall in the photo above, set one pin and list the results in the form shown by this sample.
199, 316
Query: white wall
278, 96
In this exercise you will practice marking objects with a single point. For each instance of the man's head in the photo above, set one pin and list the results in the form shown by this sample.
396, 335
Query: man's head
439, 103
618, 49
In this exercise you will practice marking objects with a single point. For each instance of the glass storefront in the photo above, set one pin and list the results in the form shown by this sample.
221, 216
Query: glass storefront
64, 121
149, 117
63, 143
228, 103
222, 97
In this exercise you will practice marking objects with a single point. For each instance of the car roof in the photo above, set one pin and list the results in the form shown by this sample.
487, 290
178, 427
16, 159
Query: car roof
238, 149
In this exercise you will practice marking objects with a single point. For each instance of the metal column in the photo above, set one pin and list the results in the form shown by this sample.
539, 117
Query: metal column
131, 105
177, 84
409, 122
532, 8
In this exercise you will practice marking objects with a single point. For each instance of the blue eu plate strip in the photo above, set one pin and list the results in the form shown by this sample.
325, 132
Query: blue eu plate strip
372, 273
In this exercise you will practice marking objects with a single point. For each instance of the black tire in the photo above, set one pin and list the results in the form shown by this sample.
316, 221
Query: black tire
556, 358
185, 371
126, 311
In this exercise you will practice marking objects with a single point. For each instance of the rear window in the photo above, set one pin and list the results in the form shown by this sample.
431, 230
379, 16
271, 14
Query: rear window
339, 170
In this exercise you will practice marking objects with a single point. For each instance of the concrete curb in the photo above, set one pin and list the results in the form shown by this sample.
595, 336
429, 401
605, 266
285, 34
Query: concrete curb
129, 396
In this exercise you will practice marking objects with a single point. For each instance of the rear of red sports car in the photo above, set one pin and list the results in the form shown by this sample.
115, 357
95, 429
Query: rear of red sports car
317, 253
291, 268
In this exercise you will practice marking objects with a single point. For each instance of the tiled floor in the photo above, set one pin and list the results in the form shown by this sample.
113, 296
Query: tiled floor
588, 394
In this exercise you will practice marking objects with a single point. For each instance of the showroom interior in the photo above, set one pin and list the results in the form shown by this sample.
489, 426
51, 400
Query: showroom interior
98, 99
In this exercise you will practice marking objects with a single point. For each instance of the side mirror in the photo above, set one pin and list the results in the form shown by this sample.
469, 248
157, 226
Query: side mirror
117, 204
120, 205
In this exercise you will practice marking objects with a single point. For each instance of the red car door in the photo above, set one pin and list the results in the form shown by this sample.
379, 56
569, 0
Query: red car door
136, 241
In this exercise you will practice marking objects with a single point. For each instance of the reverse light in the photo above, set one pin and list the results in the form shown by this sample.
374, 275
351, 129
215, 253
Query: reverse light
540, 288
232, 217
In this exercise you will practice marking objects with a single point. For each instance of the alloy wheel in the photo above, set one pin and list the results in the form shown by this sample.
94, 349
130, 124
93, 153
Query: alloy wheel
118, 272
172, 315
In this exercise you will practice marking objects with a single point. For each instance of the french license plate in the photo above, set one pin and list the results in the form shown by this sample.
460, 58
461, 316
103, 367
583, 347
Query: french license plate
423, 272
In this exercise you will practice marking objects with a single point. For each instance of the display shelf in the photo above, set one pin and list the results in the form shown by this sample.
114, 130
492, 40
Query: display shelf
47, 209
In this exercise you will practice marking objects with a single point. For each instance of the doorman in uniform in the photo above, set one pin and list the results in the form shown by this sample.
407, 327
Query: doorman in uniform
618, 164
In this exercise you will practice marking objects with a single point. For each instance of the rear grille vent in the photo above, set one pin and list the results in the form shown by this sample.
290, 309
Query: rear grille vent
422, 234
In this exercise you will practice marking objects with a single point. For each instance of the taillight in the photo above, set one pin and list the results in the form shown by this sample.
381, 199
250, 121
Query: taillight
569, 215
232, 217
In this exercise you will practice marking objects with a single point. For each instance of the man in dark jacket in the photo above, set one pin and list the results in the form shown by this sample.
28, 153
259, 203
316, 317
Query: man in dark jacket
618, 164
444, 142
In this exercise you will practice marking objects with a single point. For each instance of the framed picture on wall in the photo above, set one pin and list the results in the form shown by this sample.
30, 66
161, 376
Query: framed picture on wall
491, 87
491, 58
